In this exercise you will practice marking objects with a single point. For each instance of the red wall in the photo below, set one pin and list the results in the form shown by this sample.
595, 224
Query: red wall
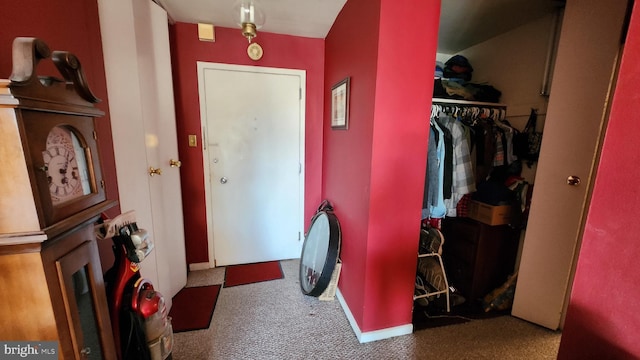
373, 173
603, 318
347, 154
70, 25
280, 51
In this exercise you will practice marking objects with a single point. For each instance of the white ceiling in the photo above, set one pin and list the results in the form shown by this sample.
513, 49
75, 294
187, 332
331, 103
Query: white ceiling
463, 22
306, 18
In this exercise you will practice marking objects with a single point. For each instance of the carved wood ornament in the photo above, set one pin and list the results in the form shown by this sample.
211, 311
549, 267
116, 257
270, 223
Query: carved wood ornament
27, 53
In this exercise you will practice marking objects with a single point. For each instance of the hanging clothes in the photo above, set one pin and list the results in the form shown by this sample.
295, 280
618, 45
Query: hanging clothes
436, 207
447, 179
463, 180
431, 183
508, 133
486, 151
499, 156
466, 143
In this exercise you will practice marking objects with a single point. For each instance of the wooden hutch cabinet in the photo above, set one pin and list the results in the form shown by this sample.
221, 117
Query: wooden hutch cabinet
478, 257
51, 194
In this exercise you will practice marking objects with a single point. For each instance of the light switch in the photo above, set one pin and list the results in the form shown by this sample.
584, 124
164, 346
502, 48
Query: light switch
193, 141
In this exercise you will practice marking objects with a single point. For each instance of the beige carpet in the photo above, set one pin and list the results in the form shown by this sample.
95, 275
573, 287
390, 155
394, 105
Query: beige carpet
274, 320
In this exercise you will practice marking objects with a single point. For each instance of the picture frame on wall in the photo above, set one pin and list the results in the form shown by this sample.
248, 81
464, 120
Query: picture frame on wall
340, 105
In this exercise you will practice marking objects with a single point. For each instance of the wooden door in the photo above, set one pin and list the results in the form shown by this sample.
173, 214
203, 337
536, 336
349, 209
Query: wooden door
589, 44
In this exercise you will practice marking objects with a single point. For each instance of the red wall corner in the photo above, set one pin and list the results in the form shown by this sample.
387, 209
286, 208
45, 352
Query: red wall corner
374, 172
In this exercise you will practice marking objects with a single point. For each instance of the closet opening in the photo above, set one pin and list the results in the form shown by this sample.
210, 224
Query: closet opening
508, 237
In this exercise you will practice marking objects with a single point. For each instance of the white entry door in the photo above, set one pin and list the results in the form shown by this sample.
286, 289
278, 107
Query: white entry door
253, 125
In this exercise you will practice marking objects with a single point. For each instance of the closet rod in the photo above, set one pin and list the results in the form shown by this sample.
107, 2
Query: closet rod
468, 103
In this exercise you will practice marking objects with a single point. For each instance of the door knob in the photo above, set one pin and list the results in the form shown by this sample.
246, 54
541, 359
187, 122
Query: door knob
175, 163
573, 180
153, 171
223, 180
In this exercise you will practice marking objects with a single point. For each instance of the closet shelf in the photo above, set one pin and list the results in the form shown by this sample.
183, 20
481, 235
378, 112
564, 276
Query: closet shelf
467, 102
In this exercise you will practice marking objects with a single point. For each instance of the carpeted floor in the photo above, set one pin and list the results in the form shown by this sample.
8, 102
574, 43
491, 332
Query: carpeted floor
274, 320
193, 306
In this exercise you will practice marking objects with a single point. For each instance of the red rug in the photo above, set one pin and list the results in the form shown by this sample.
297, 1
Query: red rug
252, 273
192, 308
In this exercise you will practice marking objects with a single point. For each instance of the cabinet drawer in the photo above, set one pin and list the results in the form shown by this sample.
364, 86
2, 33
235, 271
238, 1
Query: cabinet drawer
461, 230
462, 250
478, 257
458, 275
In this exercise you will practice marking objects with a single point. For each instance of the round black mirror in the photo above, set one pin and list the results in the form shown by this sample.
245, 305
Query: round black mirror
320, 251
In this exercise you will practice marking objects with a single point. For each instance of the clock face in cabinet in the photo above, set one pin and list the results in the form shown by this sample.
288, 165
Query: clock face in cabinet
65, 164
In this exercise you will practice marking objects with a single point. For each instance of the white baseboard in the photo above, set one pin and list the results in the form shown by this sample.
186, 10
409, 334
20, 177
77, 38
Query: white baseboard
376, 334
199, 266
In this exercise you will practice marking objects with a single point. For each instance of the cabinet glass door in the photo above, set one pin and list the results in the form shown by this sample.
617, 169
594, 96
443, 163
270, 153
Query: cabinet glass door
78, 271
90, 347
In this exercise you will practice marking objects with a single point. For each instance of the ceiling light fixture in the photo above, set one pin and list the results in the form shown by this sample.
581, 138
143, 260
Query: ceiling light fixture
249, 16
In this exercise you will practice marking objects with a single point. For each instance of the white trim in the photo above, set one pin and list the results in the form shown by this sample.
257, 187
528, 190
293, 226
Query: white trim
200, 266
376, 334
302, 74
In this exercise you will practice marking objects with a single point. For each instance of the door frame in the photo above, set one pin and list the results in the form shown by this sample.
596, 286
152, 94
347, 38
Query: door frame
202, 67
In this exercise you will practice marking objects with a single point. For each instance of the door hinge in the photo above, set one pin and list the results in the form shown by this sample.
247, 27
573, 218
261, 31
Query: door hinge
102, 183
95, 135
299, 236
299, 168
300, 93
